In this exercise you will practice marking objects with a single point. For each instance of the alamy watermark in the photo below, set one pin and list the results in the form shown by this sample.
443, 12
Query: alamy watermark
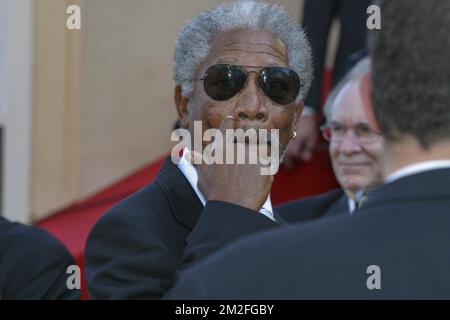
233, 146
74, 277
374, 280
374, 20
73, 21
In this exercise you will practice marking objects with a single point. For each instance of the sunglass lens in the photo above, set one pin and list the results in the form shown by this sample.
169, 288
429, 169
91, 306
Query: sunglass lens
282, 85
222, 81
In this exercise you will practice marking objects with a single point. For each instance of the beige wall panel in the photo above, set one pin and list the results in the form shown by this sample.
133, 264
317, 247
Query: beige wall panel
127, 90
294, 7
55, 127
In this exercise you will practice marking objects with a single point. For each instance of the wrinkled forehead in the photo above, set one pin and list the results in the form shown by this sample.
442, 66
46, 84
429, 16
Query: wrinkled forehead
233, 45
349, 106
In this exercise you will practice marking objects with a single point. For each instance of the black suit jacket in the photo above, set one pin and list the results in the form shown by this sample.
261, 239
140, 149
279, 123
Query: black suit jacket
136, 248
33, 264
317, 20
216, 229
330, 204
403, 229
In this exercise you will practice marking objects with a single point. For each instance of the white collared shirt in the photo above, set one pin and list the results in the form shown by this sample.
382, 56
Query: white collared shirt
191, 175
418, 168
351, 205
352, 202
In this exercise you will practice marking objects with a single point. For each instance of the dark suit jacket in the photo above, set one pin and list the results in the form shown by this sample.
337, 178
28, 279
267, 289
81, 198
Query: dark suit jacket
317, 20
403, 228
329, 204
136, 248
33, 264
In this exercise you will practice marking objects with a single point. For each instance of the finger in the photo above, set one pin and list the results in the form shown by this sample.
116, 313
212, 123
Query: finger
227, 123
306, 155
312, 141
300, 147
310, 146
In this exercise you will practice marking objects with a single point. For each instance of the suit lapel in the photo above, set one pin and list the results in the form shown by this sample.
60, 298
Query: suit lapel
185, 204
279, 219
340, 207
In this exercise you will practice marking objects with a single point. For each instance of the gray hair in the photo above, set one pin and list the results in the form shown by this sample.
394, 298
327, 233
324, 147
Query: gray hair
192, 45
361, 68
411, 70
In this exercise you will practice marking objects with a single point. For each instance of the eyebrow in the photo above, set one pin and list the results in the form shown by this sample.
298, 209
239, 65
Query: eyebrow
357, 124
235, 61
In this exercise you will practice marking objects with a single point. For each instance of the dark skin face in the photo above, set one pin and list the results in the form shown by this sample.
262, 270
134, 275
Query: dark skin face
250, 107
241, 184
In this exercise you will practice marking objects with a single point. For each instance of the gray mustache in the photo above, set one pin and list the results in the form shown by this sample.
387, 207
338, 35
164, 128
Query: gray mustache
262, 137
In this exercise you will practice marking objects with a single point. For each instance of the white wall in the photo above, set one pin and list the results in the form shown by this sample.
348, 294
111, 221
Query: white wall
3, 34
16, 93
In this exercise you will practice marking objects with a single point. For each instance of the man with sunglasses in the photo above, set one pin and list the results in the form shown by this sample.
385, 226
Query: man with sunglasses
397, 245
356, 151
241, 65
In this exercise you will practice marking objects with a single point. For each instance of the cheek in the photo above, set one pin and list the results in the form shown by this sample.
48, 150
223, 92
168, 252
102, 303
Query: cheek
206, 110
334, 152
375, 153
214, 112
283, 120
377, 157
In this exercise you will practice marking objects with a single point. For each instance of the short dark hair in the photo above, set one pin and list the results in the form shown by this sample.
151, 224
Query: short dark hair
411, 70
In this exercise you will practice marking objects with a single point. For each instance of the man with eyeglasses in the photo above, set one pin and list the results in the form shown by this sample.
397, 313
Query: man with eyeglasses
241, 65
356, 151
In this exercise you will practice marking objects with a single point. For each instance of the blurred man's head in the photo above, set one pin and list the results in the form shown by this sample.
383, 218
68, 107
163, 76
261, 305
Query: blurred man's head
411, 78
218, 57
356, 146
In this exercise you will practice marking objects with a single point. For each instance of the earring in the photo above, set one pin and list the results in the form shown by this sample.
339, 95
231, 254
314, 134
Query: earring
294, 136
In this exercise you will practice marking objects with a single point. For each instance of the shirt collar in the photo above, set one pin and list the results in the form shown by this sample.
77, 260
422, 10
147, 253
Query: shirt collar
417, 168
351, 205
355, 203
191, 175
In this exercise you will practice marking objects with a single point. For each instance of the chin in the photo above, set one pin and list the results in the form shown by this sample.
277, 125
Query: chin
352, 183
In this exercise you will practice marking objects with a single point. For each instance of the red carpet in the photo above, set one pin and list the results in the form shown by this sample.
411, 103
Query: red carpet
72, 225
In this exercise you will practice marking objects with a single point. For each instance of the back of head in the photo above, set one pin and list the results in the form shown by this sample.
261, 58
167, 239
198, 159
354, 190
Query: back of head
411, 70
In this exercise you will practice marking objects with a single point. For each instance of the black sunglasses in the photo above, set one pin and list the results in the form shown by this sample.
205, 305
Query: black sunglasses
223, 81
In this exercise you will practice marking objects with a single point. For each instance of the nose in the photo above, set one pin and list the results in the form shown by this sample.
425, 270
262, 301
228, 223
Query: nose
349, 143
250, 105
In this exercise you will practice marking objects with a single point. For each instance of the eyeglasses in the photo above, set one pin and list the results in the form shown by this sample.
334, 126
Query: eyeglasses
335, 132
223, 81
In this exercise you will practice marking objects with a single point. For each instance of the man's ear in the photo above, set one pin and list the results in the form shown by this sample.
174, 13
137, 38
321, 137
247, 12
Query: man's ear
298, 112
181, 105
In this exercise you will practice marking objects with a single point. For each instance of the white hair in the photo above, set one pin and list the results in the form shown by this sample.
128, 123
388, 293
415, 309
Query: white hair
362, 67
192, 45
